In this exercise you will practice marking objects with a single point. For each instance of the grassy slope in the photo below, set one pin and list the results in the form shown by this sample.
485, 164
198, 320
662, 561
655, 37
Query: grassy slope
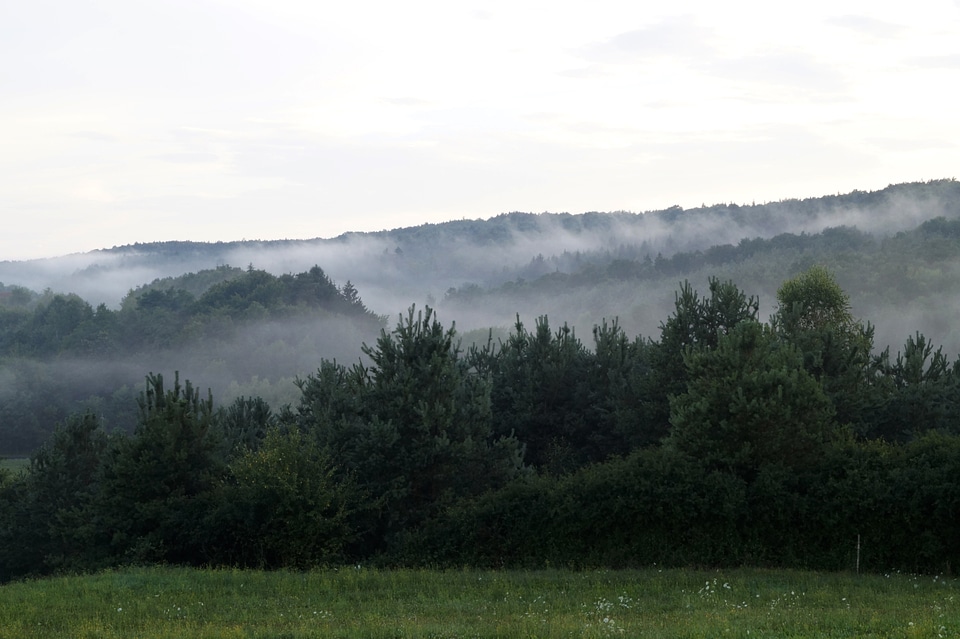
173, 602
14, 464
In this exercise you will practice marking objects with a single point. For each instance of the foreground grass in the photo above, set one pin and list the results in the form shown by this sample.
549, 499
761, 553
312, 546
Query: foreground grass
177, 602
14, 464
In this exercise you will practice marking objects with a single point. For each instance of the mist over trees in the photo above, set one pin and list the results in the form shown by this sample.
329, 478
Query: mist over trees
625, 395
420, 264
781, 443
243, 331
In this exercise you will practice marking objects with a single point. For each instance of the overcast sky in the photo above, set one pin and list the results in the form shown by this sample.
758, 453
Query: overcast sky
125, 121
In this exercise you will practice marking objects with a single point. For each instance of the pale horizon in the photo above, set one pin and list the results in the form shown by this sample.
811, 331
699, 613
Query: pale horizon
126, 122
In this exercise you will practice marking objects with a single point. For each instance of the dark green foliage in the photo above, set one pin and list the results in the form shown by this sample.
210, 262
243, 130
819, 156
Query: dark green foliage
660, 506
749, 402
538, 395
194, 284
158, 316
52, 324
414, 427
35, 396
282, 506
244, 424
156, 483
45, 522
621, 393
925, 502
920, 393
700, 323
158, 319
46, 348
697, 324
237, 297
654, 507
414, 454
567, 405
13, 297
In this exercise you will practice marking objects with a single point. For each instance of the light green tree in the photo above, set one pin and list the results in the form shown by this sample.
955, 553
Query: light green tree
283, 505
815, 315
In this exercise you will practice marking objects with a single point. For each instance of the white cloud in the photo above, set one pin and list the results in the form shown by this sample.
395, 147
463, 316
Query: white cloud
868, 25
774, 70
949, 61
273, 118
679, 36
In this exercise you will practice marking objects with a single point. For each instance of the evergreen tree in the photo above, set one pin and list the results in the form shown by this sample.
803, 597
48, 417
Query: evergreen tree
538, 395
244, 423
49, 522
750, 403
697, 324
157, 483
921, 392
414, 427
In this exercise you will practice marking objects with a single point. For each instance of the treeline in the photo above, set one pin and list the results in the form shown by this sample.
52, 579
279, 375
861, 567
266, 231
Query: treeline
725, 441
881, 209
157, 316
905, 265
59, 355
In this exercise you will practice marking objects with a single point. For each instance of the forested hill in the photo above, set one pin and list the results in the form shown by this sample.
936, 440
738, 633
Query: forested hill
742, 409
416, 264
231, 327
235, 316
904, 283
725, 441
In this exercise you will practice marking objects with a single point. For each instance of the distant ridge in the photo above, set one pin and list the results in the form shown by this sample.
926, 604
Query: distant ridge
942, 194
417, 263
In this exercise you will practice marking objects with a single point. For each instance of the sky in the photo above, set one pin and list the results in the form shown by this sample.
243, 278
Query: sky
127, 121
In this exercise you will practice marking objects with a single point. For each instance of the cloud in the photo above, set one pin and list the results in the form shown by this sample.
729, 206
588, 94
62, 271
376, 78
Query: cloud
186, 158
935, 61
867, 25
407, 102
679, 36
588, 72
794, 69
96, 136
911, 144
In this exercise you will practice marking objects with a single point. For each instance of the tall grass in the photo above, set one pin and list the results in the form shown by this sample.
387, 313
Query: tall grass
154, 603
14, 464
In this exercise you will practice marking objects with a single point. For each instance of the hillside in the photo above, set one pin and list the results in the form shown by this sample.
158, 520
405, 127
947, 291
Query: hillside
193, 307
397, 267
756, 418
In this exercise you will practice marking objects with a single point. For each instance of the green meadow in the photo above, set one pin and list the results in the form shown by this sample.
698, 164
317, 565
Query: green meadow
14, 464
153, 603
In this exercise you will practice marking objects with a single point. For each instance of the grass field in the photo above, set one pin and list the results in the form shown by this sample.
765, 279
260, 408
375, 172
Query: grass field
359, 602
15, 464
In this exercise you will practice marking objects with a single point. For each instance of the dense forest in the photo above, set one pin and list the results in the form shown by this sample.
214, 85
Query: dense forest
60, 355
726, 440
769, 384
608, 253
249, 332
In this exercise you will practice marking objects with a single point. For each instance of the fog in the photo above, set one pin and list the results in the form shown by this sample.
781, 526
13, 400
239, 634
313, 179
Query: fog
393, 270
417, 265
262, 360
